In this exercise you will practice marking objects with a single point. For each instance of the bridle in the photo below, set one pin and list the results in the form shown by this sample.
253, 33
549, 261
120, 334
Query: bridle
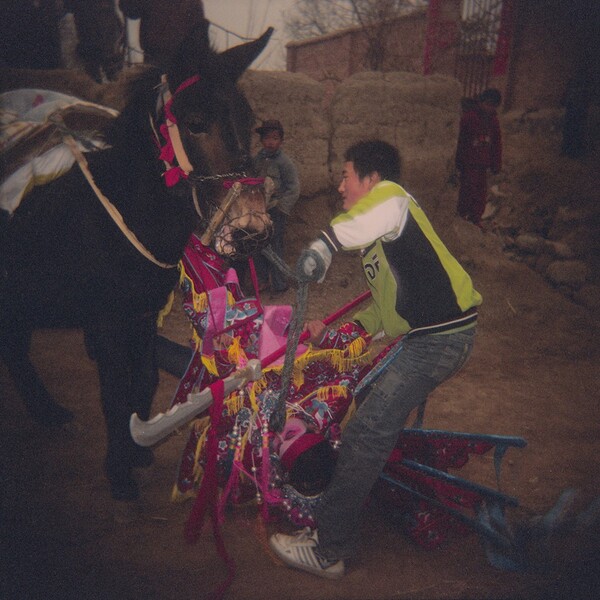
168, 152
192, 178
172, 150
177, 163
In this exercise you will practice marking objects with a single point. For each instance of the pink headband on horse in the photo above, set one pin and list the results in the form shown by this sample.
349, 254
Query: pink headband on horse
189, 81
167, 152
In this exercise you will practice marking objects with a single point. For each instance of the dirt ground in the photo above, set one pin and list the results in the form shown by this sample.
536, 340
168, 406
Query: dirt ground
534, 373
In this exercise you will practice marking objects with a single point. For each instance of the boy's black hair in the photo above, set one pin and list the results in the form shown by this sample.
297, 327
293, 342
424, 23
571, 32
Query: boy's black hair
313, 469
375, 156
492, 96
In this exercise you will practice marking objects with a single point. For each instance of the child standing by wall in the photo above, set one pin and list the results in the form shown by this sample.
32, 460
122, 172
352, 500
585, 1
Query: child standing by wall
272, 162
479, 148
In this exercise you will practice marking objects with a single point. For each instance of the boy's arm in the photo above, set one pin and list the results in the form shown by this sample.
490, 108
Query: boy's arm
381, 214
370, 319
290, 186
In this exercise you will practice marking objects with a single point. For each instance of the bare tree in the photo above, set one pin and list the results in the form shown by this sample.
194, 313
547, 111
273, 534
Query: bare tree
312, 18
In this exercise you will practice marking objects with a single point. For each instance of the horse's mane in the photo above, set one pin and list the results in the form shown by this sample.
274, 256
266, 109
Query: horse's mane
125, 130
196, 54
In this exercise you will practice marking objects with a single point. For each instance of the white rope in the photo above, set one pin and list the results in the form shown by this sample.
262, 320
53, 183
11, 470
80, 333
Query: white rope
111, 209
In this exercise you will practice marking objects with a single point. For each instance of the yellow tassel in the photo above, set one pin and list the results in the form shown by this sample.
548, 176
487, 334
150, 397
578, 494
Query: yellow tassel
244, 441
178, 497
210, 364
200, 301
255, 390
297, 377
234, 403
196, 339
325, 393
182, 274
235, 352
356, 347
253, 402
200, 426
166, 309
230, 299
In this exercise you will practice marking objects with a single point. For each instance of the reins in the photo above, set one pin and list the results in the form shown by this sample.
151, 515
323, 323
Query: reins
111, 209
278, 416
173, 148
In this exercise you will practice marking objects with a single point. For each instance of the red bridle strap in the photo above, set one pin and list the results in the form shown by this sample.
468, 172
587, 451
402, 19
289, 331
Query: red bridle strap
173, 148
245, 181
189, 81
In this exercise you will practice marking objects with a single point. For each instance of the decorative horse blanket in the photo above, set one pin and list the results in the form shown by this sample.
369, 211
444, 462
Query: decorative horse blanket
32, 125
251, 462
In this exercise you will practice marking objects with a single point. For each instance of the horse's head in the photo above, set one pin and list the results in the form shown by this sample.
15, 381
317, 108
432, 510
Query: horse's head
100, 34
241, 226
211, 138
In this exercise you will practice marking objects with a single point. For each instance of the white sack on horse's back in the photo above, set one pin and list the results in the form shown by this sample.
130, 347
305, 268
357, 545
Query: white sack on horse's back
31, 145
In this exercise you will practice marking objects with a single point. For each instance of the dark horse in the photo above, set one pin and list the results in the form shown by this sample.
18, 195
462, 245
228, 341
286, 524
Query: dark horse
65, 262
30, 36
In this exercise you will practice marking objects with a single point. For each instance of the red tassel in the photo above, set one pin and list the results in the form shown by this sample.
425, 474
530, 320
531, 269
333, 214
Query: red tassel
207, 494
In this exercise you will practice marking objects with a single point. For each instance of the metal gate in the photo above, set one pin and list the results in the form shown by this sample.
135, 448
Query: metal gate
481, 35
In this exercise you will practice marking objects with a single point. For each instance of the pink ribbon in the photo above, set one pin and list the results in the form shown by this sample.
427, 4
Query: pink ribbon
246, 181
173, 175
167, 152
190, 81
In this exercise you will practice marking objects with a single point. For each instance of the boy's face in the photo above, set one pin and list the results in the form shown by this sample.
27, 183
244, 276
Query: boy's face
352, 188
489, 107
271, 141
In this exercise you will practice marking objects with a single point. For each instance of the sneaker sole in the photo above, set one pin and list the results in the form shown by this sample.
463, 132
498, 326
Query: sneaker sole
326, 574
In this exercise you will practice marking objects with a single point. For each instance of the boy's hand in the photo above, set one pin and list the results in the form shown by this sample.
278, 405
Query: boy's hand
314, 261
317, 330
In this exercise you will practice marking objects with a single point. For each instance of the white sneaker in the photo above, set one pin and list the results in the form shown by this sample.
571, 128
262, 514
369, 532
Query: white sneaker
301, 551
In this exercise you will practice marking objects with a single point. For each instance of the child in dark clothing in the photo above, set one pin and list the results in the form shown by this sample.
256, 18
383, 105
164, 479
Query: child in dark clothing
479, 148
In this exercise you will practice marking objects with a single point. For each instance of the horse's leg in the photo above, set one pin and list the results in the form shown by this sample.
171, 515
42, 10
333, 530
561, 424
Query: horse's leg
144, 379
109, 344
15, 340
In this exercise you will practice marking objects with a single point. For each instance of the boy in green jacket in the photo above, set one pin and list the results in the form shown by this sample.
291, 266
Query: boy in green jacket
420, 291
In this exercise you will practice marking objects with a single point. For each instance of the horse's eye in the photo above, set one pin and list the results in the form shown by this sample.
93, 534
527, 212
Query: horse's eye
197, 126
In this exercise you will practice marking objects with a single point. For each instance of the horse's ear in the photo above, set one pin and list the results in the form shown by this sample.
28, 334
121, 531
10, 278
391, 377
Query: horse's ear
190, 53
132, 9
239, 58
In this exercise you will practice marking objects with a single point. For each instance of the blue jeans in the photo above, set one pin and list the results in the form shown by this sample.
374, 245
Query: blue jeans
370, 436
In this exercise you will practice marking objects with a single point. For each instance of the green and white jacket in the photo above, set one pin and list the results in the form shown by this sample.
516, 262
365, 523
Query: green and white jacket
414, 280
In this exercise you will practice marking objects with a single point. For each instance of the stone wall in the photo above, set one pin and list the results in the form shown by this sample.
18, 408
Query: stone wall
550, 38
339, 54
418, 114
297, 101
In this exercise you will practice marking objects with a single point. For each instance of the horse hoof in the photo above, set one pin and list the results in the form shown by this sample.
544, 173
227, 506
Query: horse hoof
118, 471
141, 457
